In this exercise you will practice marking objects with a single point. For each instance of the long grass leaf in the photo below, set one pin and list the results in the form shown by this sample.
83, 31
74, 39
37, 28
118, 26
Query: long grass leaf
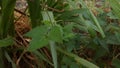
10, 60
54, 54
93, 18
35, 12
6, 23
6, 42
40, 56
78, 59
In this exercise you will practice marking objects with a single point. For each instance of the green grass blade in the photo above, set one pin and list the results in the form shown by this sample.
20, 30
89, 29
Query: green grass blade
54, 53
6, 23
10, 60
6, 42
40, 56
48, 16
115, 7
93, 18
35, 12
78, 59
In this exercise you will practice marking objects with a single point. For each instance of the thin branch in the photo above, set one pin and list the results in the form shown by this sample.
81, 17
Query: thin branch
20, 12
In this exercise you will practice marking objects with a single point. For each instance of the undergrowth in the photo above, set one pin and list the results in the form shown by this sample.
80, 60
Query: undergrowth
60, 34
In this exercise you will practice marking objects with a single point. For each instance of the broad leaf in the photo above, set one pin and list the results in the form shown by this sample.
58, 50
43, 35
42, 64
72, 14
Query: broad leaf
39, 38
37, 32
56, 34
37, 43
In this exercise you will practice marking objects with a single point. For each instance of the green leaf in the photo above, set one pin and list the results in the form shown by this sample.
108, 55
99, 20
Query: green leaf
78, 59
115, 7
37, 43
104, 44
6, 42
81, 28
112, 27
48, 16
99, 53
70, 46
39, 37
38, 32
41, 56
112, 40
68, 27
71, 14
69, 62
10, 60
72, 4
91, 28
64, 66
117, 36
54, 53
7, 19
112, 16
56, 34
66, 60
74, 65
93, 18
68, 31
116, 63
35, 12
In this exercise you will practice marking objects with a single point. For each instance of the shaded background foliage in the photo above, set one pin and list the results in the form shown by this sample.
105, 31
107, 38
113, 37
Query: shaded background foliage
60, 34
